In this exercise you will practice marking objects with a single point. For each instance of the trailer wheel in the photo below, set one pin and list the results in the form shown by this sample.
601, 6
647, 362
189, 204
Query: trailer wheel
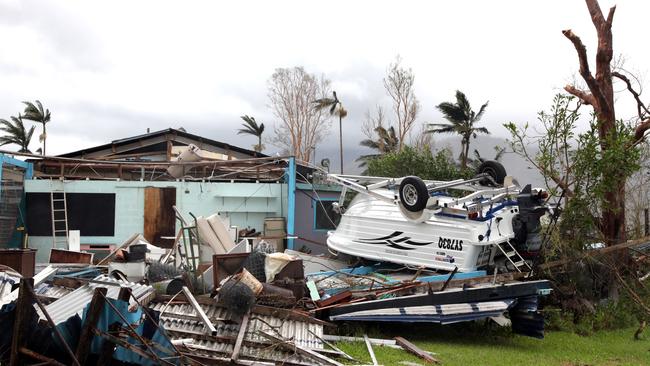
413, 194
494, 169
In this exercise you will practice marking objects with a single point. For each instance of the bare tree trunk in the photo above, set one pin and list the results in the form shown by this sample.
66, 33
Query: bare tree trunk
399, 84
291, 94
601, 97
466, 154
44, 138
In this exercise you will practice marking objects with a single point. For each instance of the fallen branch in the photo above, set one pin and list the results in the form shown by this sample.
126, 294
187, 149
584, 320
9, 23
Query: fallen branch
590, 253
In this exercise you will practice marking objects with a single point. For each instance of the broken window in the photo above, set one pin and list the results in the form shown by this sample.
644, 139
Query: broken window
325, 218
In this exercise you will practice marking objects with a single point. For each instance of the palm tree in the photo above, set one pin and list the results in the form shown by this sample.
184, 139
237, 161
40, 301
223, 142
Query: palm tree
478, 159
16, 133
462, 120
387, 141
36, 113
335, 108
252, 128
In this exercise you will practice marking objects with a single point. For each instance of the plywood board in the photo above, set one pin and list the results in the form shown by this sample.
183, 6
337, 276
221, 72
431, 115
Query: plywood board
159, 219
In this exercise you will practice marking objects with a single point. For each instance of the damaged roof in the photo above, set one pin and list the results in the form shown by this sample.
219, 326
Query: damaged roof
74, 302
182, 322
169, 134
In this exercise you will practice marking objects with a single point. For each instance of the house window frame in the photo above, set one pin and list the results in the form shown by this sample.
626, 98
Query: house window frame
315, 203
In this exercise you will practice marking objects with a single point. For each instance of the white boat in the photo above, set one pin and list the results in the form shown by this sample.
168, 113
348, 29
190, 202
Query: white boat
425, 224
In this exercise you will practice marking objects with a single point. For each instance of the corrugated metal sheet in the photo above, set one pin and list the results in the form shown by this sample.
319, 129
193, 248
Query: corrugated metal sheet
181, 318
444, 314
74, 302
6, 283
41, 276
52, 291
180, 321
213, 349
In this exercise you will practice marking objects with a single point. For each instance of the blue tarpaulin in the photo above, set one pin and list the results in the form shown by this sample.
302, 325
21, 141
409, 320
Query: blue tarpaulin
143, 326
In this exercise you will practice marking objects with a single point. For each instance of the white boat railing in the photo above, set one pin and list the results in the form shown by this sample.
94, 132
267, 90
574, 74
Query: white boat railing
355, 182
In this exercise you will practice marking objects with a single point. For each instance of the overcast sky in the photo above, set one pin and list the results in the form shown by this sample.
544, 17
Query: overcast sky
112, 69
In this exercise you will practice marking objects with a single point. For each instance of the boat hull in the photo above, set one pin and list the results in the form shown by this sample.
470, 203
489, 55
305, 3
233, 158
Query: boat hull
376, 230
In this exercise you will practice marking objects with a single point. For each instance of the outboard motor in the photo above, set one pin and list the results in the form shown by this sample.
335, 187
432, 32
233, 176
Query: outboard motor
526, 225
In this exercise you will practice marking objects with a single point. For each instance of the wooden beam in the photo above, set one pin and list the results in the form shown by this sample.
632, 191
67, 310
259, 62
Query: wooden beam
92, 316
410, 347
240, 337
40, 357
370, 351
199, 311
21, 320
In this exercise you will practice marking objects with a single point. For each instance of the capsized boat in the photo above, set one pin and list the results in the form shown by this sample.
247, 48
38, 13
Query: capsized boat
444, 225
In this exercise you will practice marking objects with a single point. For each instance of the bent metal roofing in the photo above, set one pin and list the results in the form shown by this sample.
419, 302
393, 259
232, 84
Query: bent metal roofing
181, 322
169, 131
74, 302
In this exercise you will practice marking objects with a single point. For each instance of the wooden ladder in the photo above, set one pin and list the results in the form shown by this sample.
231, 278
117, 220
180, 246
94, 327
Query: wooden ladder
513, 256
59, 207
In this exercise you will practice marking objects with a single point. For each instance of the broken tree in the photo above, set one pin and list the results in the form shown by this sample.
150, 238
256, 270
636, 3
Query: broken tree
600, 95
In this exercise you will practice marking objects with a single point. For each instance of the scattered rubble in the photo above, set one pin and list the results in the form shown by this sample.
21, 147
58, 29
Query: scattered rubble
217, 301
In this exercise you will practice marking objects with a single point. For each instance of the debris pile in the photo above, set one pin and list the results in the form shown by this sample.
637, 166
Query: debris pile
211, 299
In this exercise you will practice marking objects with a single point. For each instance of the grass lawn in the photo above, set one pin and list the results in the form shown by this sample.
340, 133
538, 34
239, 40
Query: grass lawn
457, 345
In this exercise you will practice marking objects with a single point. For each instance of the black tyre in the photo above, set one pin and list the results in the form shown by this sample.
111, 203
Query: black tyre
494, 169
413, 194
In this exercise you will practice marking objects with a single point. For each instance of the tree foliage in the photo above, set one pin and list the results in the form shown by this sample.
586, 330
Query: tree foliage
412, 161
301, 127
35, 112
335, 108
461, 121
386, 141
576, 166
476, 162
399, 84
251, 127
16, 133
599, 94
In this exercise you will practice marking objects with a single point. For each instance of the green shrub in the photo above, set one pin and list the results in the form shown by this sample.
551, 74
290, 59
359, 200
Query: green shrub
420, 162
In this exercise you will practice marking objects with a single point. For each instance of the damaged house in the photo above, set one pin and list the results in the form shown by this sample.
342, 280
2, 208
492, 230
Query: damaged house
123, 187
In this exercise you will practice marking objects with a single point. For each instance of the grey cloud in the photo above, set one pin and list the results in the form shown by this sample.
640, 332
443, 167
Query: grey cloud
73, 43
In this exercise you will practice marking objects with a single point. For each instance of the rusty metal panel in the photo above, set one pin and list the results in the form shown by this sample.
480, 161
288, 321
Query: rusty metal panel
69, 256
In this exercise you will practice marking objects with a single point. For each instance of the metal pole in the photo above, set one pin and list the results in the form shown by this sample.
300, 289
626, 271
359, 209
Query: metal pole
341, 140
291, 201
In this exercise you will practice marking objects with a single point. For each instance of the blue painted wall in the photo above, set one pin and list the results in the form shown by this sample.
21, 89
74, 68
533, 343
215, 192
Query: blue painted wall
247, 204
306, 199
